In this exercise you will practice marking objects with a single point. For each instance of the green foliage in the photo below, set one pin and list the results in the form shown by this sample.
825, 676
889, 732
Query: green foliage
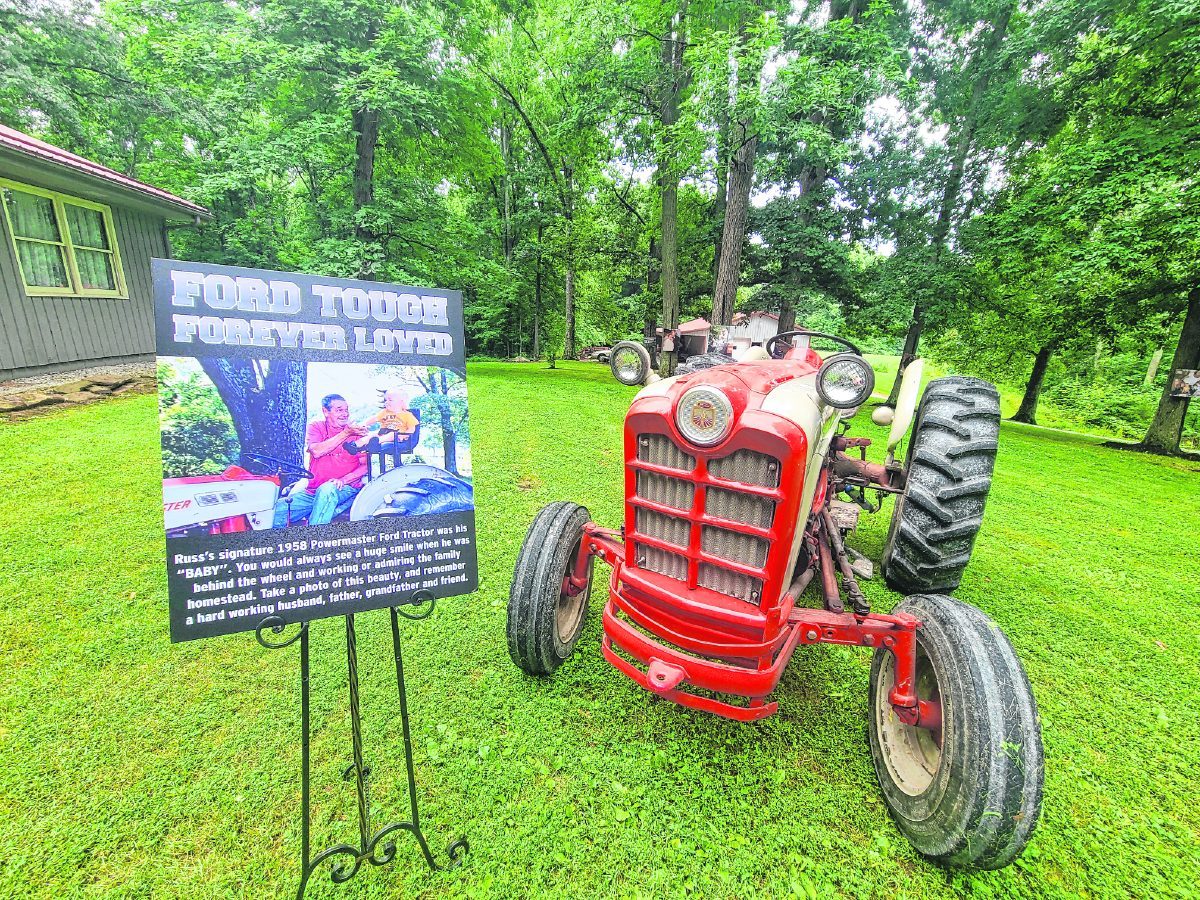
1022, 175
446, 393
197, 432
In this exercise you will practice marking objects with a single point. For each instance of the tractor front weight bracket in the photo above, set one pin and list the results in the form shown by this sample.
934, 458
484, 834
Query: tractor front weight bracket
897, 633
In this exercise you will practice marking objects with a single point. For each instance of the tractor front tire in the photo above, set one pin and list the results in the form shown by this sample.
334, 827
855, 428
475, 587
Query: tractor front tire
629, 362
967, 795
544, 621
948, 475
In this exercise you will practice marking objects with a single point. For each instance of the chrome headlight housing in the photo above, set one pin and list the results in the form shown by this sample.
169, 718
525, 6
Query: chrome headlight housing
704, 415
845, 381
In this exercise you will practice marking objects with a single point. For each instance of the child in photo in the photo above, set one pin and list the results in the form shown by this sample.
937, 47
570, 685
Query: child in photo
394, 421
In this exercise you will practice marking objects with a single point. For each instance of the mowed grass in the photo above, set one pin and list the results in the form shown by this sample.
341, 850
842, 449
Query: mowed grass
131, 767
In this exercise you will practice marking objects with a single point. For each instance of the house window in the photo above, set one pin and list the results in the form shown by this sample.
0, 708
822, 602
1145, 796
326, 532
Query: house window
64, 246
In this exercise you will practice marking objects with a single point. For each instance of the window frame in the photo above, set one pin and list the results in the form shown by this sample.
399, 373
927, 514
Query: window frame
60, 202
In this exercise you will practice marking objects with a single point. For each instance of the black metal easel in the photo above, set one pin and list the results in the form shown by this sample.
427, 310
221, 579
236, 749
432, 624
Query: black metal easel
376, 847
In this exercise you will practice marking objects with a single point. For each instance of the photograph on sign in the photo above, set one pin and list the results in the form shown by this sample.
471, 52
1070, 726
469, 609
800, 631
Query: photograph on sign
1186, 384
316, 458
376, 458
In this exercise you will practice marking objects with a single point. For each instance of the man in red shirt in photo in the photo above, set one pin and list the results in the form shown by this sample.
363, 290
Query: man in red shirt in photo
337, 473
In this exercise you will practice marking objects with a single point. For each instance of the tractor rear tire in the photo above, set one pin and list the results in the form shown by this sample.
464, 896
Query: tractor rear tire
949, 472
544, 622
972, 798
629, 362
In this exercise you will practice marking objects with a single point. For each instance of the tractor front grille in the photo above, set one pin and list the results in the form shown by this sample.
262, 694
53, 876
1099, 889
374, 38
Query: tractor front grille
747, 467
668, 529
662, 451
670, 564
693, 535
734, 546
665, 491
734, 584
738, 507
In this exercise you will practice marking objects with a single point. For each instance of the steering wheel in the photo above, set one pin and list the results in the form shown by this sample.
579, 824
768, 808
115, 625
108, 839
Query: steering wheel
279, 466
788, 335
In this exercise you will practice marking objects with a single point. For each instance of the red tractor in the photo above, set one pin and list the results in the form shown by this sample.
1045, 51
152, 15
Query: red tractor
740, 487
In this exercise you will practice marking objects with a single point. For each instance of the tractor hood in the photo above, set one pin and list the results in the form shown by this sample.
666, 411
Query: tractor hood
785, 388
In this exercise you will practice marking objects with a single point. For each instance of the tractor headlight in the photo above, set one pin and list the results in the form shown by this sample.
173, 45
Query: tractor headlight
845, 381
704, 415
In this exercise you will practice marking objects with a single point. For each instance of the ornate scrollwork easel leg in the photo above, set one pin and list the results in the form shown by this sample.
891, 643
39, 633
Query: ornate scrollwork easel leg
377, 849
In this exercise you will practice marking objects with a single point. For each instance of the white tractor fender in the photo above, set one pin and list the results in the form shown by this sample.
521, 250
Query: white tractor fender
656, 386
906, 403
752, 354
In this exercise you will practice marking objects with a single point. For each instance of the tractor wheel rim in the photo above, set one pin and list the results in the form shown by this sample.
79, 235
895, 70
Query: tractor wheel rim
913, 755
627, 362
569, 612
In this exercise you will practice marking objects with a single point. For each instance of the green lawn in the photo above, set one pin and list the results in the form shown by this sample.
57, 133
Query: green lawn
135, 768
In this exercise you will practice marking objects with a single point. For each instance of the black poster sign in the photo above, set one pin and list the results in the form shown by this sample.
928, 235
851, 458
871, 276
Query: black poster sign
316, 455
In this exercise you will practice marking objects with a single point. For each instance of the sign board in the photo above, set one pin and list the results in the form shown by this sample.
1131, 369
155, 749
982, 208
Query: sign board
316, 456
1185, 384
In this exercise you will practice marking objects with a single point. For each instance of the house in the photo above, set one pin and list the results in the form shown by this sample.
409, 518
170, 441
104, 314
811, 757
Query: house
750, 330
75, 287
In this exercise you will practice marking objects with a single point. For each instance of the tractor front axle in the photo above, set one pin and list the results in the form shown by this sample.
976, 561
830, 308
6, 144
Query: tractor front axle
669, 645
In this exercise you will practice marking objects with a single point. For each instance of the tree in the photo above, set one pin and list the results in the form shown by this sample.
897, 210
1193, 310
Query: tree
812, 123
267, 402
741, 125
962, 57
675, 80
554, 82
1116, 178
64, 74
445, 400
198, 437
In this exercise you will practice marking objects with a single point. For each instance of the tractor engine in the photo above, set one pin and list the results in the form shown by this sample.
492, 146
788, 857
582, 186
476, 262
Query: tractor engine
721, 471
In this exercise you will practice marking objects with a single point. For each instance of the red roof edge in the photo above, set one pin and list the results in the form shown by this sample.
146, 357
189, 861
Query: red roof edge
12, 139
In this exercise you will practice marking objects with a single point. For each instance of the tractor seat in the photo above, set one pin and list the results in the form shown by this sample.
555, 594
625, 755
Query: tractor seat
391, 456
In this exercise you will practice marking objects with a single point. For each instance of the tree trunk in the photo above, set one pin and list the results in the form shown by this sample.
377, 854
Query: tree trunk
911, 340
569, 290
366, 127
963, 141
1033, 390
1166, 428
670, 273
1152, 369
268, 409
733, 235
672, 57
650, 321
787, 315
569, 285
537, 295
721, 200
506, 235
744, 139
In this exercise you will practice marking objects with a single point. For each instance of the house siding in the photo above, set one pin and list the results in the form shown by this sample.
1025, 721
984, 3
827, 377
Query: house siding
47, 334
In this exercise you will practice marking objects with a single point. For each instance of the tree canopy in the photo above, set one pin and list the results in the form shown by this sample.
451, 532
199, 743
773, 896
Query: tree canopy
1007, 186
